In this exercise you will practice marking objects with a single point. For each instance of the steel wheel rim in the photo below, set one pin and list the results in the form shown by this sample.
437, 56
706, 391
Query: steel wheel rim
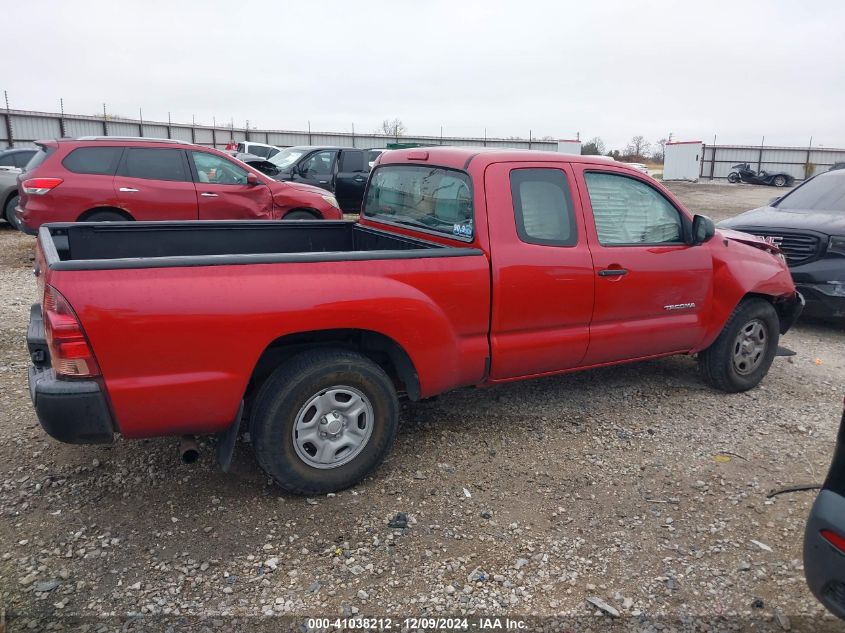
333, 427
750, 347
780, 181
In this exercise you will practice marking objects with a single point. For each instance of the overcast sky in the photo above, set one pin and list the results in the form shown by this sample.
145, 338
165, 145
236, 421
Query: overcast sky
739, 70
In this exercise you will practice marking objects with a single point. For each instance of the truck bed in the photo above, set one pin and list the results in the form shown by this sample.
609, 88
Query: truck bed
114, 245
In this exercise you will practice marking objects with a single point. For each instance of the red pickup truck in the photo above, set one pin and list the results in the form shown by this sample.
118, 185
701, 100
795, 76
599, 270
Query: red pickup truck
467, 268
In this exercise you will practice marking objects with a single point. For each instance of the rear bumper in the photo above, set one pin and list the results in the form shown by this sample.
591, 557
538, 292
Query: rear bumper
824, 565
71, 411
24, 227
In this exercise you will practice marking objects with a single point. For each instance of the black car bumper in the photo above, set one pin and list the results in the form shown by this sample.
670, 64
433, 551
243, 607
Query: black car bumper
72, 411
824, 300
822, 282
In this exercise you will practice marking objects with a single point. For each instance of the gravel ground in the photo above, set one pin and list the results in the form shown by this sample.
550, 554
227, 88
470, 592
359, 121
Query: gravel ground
636, 485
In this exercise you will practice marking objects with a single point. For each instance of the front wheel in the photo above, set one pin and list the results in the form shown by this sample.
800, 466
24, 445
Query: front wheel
324, 420
741, 355
299, 215
105, 216
779, 181
733, 177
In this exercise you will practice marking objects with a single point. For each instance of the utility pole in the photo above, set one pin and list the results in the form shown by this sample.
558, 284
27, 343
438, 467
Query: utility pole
141, 124
62, 128
105, 122
9, 140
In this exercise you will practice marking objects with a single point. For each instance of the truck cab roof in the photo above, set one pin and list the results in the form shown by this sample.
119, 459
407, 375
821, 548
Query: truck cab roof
463, 157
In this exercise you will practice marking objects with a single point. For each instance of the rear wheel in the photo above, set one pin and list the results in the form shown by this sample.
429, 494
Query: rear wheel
779, 181
742, 354
733, 177
300, 215
324, 420
9, 212
105, 216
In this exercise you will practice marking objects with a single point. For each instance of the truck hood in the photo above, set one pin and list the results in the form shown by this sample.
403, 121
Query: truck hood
828, 222
748, 239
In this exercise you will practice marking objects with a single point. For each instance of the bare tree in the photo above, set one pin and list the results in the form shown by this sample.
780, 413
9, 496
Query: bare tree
637, 148
659, 151
392, 128
594, 147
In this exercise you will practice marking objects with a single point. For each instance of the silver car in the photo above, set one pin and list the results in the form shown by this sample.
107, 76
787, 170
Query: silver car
9, 196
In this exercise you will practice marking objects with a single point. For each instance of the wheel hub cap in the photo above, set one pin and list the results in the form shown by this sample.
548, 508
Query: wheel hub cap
750, 347
333, 427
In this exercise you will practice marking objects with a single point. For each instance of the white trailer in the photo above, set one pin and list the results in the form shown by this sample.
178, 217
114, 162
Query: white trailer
682, 160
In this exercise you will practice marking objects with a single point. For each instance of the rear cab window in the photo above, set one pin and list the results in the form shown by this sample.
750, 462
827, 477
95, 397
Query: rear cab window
101, 161
542, 206
426, 198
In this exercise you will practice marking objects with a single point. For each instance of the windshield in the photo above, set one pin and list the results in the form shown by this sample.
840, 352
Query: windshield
286, 157
430, 198
822, 193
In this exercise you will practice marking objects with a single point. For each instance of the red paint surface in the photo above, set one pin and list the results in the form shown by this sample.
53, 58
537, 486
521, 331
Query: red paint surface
160, 199
177, 346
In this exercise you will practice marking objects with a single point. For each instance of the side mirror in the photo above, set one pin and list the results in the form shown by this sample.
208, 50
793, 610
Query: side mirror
702, 229
252, 179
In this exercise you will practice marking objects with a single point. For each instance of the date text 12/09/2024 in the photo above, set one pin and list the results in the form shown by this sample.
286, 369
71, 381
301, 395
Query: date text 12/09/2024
423, 623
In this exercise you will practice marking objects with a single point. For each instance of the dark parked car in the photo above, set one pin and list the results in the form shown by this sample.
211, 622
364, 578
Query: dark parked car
341, 170
16, 159
808, 224
836, 166
824, 536
743, 172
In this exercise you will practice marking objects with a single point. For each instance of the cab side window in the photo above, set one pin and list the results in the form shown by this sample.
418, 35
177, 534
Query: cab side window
216, 170
319, 163
629, 212
543, 207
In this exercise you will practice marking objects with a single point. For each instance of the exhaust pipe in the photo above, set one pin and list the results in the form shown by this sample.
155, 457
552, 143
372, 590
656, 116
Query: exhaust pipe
189, 450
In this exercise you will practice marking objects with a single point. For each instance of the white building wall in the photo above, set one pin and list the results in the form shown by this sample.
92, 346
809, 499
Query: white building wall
568, 147
682, 160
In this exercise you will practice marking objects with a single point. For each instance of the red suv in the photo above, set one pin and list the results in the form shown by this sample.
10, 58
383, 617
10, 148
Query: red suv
100, 179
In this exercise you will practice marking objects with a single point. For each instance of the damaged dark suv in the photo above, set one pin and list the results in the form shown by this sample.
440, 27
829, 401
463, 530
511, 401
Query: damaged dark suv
808, 224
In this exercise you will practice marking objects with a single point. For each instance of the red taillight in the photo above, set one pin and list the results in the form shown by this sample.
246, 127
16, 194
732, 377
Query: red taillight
40, 186
70, 353
834, 539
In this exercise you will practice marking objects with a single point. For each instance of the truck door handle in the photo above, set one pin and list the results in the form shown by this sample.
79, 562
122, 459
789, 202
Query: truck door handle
359, 179
208, 195
323, 182
127, 190
612, 272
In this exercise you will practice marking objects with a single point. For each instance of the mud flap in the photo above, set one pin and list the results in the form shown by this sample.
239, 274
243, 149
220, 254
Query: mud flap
226, 441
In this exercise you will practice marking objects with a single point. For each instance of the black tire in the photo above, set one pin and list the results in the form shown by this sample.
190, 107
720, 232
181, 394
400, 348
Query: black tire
718, 364
300, 215
105, 216
780, 181
733, 177
9, 212
286, 392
